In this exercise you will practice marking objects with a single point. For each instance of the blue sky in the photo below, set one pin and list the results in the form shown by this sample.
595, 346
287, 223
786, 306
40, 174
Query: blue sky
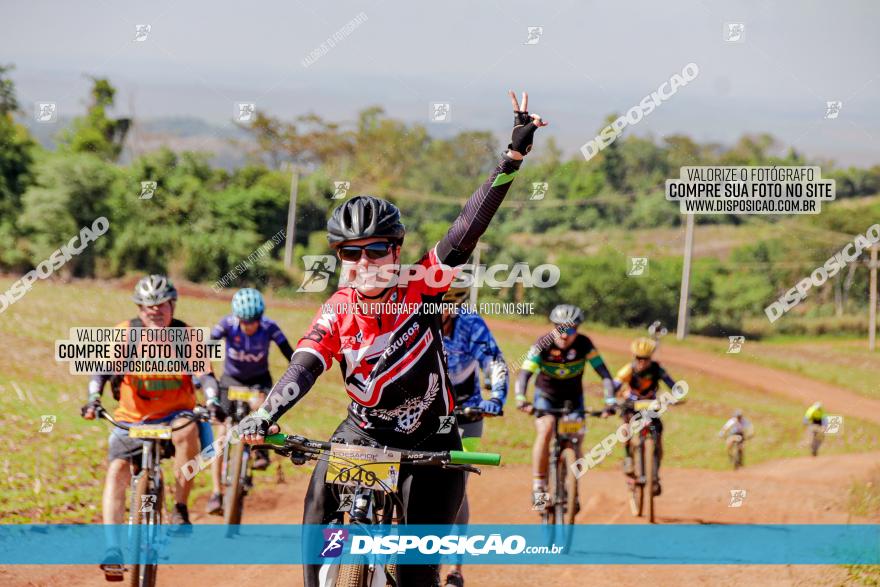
593, 58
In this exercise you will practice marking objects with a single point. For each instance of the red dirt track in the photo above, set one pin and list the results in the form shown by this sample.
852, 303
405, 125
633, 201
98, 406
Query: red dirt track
801, 490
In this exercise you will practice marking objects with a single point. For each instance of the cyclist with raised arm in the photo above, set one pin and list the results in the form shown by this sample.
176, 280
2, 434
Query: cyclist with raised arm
150, 398
248, 335
642, 378
558, 359
390, 348
470, 350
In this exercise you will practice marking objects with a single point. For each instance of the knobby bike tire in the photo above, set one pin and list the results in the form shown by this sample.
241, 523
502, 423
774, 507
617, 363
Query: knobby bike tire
636, 490
233, 500
352, 576
144, 575
392, 579
570, 484
548, 514
648, 448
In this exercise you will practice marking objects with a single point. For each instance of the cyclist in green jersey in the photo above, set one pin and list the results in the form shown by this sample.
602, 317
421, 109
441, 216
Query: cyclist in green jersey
558, 359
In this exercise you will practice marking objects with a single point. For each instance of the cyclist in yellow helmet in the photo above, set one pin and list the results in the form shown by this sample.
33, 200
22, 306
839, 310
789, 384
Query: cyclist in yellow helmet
642, 377
816, 421
815, 414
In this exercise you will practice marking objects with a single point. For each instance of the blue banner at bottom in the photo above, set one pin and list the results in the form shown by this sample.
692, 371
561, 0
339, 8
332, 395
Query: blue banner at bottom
415, 544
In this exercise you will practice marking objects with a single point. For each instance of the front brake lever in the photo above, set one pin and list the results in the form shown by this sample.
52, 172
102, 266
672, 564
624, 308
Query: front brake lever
298, 458
468, 468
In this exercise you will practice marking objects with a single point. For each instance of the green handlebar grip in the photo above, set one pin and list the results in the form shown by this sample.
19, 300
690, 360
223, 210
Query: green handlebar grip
276, 439
460, 457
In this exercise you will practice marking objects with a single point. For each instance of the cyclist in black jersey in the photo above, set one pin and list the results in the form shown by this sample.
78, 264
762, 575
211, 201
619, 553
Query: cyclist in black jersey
642, 378
558, 358
392, 359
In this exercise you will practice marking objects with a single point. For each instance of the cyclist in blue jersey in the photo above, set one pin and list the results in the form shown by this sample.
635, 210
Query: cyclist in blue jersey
471, 348
248, 335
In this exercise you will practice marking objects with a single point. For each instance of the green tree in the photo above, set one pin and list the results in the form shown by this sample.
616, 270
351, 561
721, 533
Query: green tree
96, 132
16, 162
70, 192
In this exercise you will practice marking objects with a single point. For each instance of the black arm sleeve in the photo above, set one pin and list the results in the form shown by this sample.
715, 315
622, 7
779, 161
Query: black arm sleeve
458, 244
522, 382
667, 379
601, 369
296, 382
96, 385
286, 350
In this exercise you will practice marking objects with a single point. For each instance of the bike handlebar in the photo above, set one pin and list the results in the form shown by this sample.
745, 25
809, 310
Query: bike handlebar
474, 411
285, 444
199, 413
460, 457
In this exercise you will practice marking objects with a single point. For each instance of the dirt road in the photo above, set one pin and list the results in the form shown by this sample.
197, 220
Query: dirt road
802, 490
791, 385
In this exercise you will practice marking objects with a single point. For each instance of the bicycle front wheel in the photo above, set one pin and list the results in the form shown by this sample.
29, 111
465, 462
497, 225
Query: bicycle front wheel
569, 485
637, 487
146, 515
648, 488
233, 500
352, 576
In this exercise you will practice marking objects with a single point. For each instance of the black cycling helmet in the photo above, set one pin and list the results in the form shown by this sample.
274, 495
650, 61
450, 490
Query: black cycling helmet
566, 314
365, 217
154, 289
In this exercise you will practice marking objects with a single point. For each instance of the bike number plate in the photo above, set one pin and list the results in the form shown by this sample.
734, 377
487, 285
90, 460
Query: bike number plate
645, 404
151, 431
571, 427
363, 466
242, 394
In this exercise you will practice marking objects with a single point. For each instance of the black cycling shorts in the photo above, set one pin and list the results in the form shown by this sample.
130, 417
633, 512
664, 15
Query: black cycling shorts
263, 382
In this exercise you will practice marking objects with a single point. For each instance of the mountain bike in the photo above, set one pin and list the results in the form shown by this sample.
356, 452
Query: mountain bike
562, 486
364, 479
236, 472
147, 506
735, 450
817, 435
643, 449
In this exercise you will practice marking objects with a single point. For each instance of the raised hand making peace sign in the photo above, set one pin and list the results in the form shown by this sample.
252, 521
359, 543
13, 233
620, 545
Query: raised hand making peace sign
524, 126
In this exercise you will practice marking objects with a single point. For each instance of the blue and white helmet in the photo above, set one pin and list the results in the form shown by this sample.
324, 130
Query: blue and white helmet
248, 304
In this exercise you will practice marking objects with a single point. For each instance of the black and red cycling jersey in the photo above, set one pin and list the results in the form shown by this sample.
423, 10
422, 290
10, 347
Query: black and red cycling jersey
393, 363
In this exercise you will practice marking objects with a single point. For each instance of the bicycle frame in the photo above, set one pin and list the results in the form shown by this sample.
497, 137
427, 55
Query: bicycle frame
237, 477
144, 522
367, 503
639, 445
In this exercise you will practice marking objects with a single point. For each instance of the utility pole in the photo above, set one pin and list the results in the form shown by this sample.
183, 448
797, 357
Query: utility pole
291, 215
872, 296
681, 330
